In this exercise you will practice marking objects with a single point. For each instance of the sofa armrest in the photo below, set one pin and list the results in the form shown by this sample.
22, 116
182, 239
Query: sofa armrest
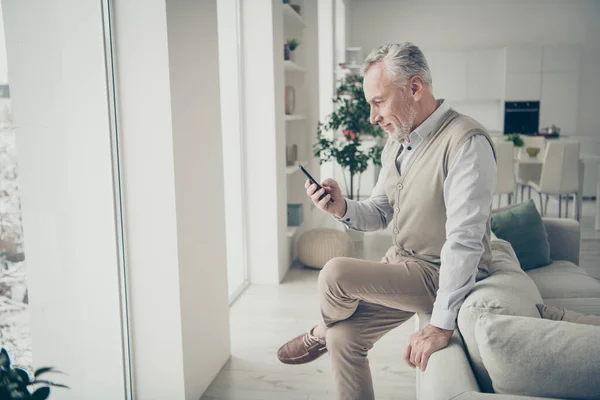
564, 236
441, 382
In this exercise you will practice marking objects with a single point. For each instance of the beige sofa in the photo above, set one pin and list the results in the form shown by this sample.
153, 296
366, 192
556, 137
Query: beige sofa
457, 372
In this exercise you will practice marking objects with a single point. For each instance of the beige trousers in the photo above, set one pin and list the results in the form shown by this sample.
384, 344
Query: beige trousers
363, 300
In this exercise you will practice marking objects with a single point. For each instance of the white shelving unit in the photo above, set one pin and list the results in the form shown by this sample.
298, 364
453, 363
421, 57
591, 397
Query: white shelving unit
291, 231
291, 17
299, 125
292, 169
291, 66
270, 129
295, 117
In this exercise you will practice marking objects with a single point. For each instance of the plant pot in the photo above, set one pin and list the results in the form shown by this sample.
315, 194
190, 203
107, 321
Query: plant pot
286, 52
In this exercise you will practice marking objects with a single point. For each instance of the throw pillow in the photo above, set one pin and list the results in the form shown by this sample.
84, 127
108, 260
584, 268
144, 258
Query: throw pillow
538, 357
561, 314
523, 228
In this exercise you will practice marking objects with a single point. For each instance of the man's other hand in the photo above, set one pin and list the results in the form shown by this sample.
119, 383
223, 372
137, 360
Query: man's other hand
424, 343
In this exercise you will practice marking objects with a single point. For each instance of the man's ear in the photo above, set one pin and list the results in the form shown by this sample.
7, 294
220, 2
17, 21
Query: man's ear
417, 86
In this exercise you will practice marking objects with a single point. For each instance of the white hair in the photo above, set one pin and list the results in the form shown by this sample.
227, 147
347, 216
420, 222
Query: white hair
402, 62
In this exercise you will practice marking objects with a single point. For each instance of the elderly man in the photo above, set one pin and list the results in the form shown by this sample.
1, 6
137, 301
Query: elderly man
435, 188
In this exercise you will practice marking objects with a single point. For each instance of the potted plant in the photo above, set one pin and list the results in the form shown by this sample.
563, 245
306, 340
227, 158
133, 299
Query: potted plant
289, 47
350, 125
15, 382
517, 141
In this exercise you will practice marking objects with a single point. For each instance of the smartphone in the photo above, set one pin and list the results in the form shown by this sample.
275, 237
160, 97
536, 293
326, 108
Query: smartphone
319, 187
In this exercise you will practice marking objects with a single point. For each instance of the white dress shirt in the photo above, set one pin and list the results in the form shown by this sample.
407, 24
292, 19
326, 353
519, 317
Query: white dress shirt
468, 192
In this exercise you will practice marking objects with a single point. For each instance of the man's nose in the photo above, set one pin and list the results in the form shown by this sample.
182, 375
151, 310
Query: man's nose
374, 117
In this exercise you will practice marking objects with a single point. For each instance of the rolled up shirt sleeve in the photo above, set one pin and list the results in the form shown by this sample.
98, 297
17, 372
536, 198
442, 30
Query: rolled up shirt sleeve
468, 193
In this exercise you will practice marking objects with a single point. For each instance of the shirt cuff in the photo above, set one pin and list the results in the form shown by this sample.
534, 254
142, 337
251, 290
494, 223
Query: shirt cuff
350, 217
443, 319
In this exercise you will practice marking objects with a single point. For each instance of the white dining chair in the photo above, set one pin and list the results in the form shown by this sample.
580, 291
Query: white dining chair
505, 175
560, 175
526, 173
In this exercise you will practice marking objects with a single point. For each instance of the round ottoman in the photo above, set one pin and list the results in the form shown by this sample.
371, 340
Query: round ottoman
317, 246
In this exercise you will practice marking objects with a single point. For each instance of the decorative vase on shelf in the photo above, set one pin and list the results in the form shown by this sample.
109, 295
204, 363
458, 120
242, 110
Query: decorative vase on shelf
291, 154
286, 52
290, 100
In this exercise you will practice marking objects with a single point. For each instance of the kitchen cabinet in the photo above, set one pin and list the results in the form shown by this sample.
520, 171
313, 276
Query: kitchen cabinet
523, 59
449, 72
523, 86
560, 96
485, 74
561, 58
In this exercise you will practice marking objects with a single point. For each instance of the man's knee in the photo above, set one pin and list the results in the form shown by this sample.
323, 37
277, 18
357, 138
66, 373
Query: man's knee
343, 338
332, 273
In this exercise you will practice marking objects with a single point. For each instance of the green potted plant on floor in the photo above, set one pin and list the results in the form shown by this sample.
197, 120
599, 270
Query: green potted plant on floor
15, 383
350, 126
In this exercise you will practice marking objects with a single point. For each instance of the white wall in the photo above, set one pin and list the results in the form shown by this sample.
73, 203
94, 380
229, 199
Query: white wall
167, 71
59, 97
469, 24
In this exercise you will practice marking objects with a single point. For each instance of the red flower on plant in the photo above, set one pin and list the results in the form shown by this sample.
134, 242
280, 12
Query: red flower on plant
349, 134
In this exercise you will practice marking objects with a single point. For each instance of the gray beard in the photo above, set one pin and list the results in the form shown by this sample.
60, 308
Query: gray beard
402, 132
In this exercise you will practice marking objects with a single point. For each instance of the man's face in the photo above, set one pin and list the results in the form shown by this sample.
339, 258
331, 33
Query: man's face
392, 107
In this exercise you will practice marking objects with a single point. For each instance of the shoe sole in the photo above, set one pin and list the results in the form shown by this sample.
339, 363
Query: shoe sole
303, 359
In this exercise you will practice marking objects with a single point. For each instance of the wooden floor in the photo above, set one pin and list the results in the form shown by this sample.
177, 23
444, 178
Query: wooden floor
266, 316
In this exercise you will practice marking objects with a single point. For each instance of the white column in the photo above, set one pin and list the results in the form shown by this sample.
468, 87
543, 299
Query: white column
57, 73
263, 86
168, 90
327, 67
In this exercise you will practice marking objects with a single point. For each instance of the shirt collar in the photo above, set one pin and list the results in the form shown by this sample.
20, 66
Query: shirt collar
430, 122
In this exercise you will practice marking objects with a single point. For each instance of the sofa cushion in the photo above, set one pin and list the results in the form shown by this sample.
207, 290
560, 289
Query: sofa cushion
563, 279
565, 365
523, 228
507, 290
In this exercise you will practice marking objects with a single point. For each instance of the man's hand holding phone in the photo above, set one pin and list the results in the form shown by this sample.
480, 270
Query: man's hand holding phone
337, 207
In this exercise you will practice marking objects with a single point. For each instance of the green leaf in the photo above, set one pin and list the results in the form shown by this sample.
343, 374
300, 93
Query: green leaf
41, 394
17, 394
23, 375
49, 383
44, 370
4, 359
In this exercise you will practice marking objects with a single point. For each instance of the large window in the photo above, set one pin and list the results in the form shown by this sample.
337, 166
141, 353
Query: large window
15, 334
233, 154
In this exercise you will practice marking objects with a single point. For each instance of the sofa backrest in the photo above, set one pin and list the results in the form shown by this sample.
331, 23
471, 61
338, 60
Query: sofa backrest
507, 290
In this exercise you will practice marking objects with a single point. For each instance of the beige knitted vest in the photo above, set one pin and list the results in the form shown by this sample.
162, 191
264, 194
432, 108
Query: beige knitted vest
417, 196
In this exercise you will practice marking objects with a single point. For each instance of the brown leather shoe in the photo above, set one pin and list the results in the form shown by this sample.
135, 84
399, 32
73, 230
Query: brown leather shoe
302, 349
